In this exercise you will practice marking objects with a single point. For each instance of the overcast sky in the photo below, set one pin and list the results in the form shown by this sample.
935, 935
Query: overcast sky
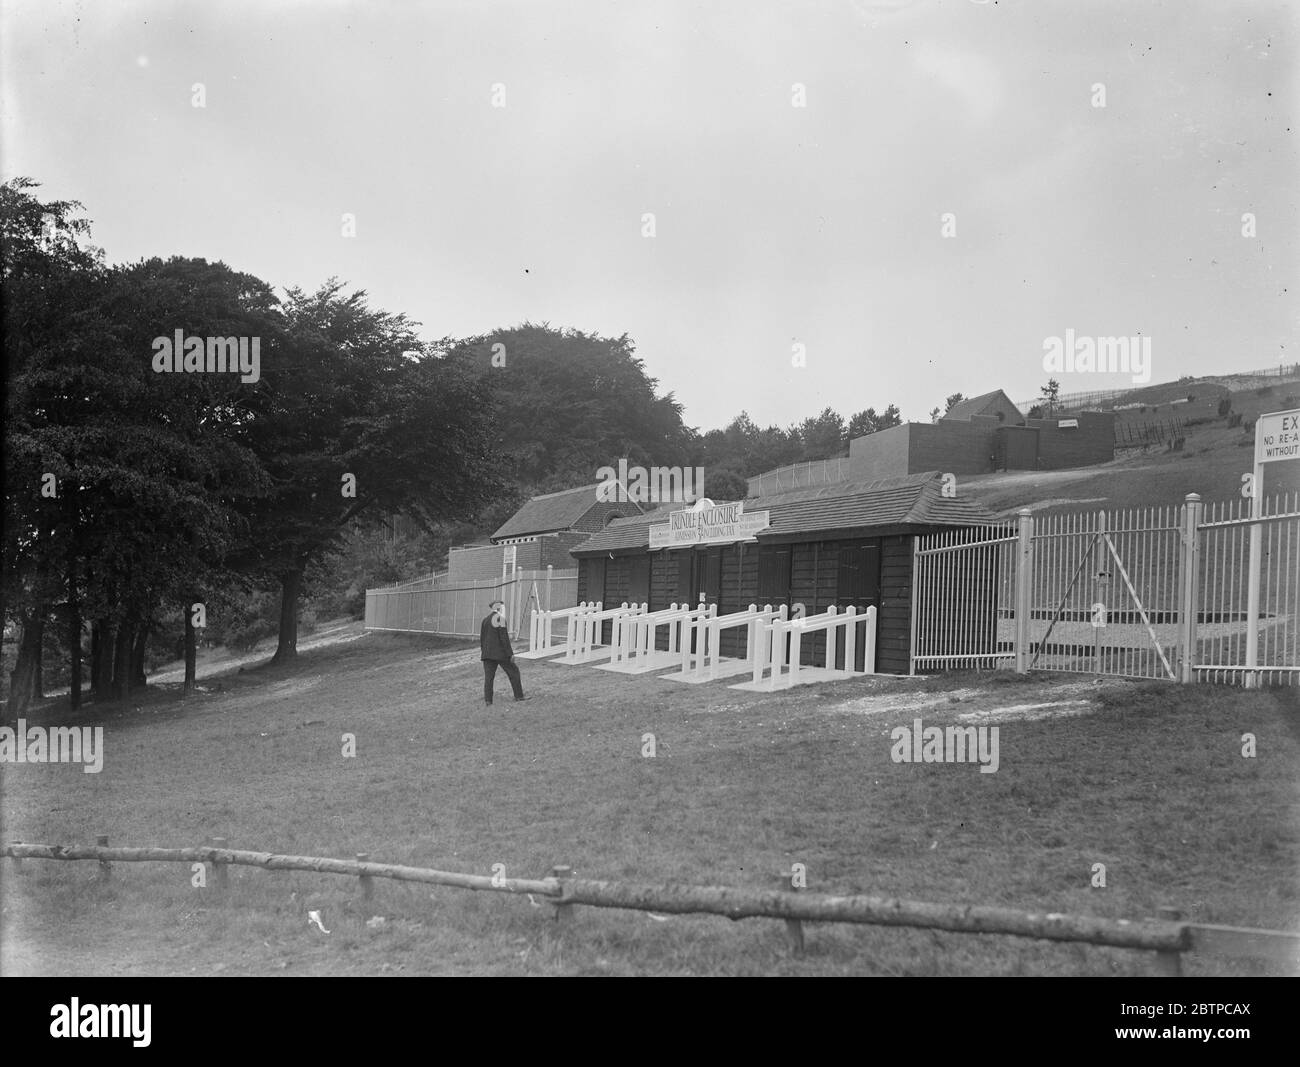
774, 224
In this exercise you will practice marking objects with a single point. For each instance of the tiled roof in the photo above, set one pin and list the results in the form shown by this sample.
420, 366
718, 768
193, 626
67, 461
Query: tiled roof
550, 512
910, 500
976, 405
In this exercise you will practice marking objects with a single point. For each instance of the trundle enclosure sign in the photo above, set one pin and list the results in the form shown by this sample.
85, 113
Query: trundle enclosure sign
712, 524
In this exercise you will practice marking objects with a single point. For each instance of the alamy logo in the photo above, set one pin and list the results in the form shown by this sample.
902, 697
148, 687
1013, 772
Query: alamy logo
956, 744
1098, 355
211, 355
102, 1020
58, 744
658, 485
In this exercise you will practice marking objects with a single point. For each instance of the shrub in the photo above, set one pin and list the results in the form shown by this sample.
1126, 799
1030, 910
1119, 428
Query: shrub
1225, 406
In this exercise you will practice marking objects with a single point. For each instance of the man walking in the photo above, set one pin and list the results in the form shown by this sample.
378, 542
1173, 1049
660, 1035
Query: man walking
494, 646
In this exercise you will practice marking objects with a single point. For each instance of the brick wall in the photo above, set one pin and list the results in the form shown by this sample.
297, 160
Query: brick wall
471, 564
882, 454
554, 549
600, 511
1092, 441
953, 446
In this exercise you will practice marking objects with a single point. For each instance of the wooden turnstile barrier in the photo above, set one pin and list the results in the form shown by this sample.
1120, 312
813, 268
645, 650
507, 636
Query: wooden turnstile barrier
701, 658
541, 630
586, 629
638, 654
784, 670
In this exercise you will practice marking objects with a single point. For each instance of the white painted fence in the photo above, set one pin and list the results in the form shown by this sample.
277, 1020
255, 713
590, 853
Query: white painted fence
457, 609
587, 629
701, 656
779, 648
542, 640
637, 652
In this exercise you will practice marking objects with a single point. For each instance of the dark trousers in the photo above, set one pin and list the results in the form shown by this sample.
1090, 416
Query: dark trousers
489, 676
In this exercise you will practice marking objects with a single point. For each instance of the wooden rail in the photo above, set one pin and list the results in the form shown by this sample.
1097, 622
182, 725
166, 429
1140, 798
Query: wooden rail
1167, 936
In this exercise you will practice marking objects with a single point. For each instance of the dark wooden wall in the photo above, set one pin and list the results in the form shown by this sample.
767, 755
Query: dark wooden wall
815, 574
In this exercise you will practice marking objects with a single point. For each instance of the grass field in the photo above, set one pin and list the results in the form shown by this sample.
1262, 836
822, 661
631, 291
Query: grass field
1147, 779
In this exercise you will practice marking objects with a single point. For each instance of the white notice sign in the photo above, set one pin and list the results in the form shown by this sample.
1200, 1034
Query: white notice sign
710, 525
1277, 436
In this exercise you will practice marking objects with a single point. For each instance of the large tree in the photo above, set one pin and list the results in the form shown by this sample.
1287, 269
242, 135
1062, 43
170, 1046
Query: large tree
50, 278
352, 419
568, 403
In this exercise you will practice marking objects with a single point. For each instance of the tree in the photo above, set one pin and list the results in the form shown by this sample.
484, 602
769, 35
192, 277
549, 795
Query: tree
567, 402
1051, 394
934, 414
868, 422
50, 282
725, 484
347, 427
822, 436
952, 402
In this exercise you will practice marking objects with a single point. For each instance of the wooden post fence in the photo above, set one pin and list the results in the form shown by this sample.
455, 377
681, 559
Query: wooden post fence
367, 883
1169, 936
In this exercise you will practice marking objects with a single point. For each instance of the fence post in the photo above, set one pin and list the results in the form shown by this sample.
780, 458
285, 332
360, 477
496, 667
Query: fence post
562, 873
1251, 678
367, 883
220, 875
1168, 963
18, 861
105, 868
550, 570
793, 927
1189, 566
1024, 588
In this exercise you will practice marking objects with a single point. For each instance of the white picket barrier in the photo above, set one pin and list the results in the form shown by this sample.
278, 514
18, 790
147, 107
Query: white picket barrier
705, 662
541, 630
637, 654
773, 653
584, 645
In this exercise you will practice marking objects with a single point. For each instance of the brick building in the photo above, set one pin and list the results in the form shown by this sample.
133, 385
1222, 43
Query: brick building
540, 533
985, 434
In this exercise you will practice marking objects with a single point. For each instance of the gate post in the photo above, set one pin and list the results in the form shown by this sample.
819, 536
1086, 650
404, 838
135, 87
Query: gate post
1252, 678
1189, 571
1024, 588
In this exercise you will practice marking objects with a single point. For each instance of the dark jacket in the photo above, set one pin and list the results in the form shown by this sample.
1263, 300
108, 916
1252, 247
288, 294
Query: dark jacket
494, 642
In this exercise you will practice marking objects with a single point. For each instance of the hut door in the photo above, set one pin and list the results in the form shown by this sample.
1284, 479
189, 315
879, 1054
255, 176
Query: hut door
858, 587
595, 580
708, 575
638, 580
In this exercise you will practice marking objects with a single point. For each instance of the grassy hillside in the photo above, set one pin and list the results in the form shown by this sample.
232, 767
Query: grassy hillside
1145, 778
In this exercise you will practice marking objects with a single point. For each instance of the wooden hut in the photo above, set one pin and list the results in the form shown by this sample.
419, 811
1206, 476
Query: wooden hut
847, 544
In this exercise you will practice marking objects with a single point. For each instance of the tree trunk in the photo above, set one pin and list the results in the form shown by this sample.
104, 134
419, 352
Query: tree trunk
287, 648
22, 679
122, 660
38, 673
74, 641
191, 646
101, 656
138, 679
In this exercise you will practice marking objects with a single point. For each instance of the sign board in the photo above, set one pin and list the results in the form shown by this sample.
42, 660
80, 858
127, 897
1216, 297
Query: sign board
708, 524
1067, 424
1277, 436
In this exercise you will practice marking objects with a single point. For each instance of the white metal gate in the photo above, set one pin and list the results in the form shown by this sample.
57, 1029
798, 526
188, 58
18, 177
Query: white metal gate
1164, 592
